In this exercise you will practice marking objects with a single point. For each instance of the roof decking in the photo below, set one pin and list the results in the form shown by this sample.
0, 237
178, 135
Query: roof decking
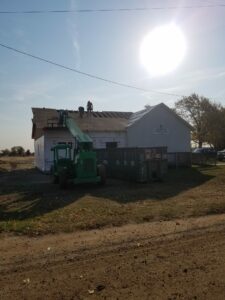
105, 121
98, 121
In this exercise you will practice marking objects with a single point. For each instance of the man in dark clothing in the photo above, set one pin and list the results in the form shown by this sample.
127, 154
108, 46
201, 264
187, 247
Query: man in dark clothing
81, 111
89, 107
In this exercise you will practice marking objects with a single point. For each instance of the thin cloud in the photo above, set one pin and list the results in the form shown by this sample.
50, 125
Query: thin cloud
73, 32
187, 83
204, 74
40, 88
19, 33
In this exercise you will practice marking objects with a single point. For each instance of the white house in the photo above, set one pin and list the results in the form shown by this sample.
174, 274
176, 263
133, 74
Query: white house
156, 126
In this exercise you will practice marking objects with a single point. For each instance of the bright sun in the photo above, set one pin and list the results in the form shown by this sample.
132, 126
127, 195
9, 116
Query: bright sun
163, 49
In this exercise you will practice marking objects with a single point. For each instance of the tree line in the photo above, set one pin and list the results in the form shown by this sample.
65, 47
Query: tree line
206, 117
15, 151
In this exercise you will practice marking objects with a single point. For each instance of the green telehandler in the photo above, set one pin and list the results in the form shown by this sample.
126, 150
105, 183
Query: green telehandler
77, 166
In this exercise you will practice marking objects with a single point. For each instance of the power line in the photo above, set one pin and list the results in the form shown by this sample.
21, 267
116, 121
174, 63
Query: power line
114, 9
87, 74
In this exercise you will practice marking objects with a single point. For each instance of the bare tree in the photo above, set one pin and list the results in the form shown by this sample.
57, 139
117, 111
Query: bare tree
216, 127
206, 117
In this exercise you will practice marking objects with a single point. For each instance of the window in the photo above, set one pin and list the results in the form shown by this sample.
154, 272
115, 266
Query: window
161, 129
111, 145
62, 153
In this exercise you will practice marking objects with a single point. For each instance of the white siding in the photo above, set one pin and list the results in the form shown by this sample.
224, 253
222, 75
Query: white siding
39, 153
160, 128
101, 138
54, 137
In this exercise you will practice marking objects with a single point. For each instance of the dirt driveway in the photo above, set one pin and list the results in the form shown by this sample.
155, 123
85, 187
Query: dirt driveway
181, 259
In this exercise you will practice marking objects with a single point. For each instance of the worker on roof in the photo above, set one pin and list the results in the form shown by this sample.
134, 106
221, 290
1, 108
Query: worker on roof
89, 107
81, 111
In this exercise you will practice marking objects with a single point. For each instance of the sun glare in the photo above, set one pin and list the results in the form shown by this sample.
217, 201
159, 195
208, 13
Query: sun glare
163, 49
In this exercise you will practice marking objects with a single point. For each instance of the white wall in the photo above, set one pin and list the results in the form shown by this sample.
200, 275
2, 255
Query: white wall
39, 153
160, 128
101, 138
56, 136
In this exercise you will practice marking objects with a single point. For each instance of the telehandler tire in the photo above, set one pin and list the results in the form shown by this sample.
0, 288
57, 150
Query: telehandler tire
102, 174
55, 179
63, 180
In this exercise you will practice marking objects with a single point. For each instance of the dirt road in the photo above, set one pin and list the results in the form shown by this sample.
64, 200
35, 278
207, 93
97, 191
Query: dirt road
182, 259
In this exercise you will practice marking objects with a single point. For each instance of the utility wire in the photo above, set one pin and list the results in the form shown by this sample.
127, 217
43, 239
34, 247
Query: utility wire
114, 9
87, 74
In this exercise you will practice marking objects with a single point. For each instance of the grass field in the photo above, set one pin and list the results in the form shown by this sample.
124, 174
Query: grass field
31, 204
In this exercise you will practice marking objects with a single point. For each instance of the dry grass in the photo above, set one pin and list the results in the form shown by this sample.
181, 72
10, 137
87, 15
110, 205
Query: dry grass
16, 163
30, 203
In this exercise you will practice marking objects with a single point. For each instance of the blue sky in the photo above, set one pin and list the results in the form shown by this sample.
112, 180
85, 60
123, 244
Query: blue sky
107, 45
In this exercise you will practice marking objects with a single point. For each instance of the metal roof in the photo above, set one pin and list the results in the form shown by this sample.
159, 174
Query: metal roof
138, 115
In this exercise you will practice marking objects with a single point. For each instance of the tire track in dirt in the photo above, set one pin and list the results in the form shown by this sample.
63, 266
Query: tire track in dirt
182, 259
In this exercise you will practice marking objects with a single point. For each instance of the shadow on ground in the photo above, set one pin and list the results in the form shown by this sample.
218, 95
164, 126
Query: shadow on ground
28, 193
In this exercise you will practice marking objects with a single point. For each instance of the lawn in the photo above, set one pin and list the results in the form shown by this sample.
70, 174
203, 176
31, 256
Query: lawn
31, 204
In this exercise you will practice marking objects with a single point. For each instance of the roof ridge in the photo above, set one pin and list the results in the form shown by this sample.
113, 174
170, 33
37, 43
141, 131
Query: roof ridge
76, 111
